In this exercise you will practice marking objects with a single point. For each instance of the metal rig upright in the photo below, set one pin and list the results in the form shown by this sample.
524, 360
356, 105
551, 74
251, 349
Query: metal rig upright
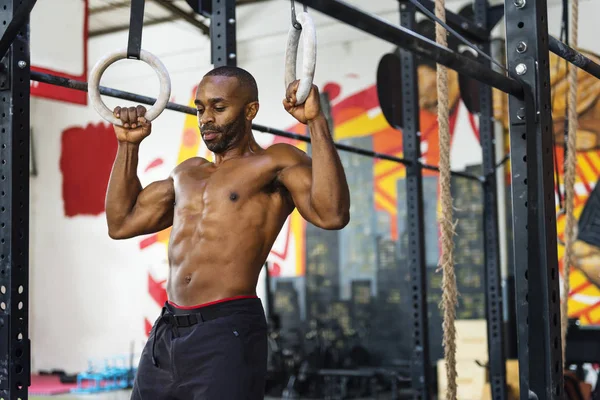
411, 142
14, 208
493, 291
533, 212
223, 33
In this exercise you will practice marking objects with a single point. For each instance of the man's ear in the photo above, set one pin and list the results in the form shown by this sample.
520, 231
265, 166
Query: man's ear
251, 110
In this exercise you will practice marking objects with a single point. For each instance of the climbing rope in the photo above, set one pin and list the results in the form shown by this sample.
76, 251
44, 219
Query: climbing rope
570, 168
449, 290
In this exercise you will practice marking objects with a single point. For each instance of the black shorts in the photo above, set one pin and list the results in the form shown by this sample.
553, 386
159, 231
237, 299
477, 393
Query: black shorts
211, 352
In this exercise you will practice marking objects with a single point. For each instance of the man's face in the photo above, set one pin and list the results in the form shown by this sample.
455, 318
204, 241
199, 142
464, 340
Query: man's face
221, 112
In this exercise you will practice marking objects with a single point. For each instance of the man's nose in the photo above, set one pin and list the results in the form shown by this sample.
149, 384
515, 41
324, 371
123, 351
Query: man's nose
206, 118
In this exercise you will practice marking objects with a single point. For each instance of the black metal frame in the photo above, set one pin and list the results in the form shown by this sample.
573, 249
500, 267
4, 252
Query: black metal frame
573, 56
415, 43
411, 142
472, 30
534, 228
493, 290
223, 33
14, 204
534, 218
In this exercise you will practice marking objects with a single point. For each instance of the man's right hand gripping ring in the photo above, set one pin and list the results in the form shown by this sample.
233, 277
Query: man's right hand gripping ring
110, 58
309, 44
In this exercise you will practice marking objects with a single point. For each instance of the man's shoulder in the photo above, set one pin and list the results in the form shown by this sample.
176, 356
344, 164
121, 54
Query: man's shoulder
284, 152
190, 163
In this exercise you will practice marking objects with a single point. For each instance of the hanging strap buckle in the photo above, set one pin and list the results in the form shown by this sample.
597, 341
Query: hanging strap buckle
295, 22
136, 24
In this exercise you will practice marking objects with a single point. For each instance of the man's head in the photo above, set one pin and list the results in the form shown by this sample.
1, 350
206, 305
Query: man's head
227, 102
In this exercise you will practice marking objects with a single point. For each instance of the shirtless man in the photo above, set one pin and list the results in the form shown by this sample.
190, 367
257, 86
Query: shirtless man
210, 341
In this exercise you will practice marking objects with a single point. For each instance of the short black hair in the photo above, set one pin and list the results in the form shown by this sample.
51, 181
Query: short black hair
246, 79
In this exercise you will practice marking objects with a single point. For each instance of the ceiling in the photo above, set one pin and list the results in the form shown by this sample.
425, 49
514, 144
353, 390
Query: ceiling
109, 16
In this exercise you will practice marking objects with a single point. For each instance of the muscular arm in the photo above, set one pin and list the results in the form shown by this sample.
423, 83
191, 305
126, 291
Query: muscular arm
131, 210
318, 187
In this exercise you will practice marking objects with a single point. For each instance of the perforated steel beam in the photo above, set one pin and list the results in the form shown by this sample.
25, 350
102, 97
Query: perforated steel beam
411, 146
223, 33
14, 210
535, 260
491, 241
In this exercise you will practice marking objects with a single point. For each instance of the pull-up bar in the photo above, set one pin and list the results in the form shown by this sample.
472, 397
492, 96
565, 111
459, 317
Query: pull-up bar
573, 56
83, 86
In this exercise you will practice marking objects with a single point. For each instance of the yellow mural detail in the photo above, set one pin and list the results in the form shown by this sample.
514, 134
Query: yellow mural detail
385, 203
584, 301
297, 230
190, 140
297, 225
363, 125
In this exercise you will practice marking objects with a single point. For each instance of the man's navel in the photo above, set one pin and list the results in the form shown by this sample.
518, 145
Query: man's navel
233, 196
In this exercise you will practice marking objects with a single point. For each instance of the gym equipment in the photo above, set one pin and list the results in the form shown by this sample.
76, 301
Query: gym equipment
101, 66
107, 375
302, 26
133, 51
534, 249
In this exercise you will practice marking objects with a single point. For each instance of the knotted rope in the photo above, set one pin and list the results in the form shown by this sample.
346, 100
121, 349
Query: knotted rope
449, 290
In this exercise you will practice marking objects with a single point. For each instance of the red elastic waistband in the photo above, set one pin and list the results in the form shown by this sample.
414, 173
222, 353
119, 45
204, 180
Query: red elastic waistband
212, 302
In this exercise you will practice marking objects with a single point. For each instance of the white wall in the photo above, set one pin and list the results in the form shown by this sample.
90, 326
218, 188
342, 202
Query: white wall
89, 293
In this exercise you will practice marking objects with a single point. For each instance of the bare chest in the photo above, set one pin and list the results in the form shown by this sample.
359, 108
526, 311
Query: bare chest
226, 186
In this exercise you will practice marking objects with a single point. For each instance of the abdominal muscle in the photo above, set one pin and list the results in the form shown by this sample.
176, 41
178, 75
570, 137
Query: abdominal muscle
218, 255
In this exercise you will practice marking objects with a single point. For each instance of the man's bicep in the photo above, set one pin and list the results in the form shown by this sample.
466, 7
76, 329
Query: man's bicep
298, 182
153, 210
296, 176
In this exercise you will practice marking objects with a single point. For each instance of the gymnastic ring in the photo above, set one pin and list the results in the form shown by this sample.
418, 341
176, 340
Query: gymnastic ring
309, 44
110, 58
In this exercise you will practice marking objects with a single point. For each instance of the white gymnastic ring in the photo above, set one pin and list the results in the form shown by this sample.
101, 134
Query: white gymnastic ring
309, 43
110, 58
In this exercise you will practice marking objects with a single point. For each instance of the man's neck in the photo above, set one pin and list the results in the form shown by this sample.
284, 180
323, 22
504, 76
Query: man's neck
246, 146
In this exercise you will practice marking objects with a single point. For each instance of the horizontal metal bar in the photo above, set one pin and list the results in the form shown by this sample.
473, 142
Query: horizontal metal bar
119, 94
415, 43
18, 20
573, 56
120, 28
363, 152
108, 7
82, 86
189, 17
459, 23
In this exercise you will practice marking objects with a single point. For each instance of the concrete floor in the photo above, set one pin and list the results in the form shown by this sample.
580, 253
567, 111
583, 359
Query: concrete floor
120, 395
124, 395
117, 395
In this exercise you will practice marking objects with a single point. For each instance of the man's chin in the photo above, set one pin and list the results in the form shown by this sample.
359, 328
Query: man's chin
213, 147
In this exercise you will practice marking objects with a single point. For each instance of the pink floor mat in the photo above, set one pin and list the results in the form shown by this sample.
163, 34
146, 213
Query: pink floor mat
49, 385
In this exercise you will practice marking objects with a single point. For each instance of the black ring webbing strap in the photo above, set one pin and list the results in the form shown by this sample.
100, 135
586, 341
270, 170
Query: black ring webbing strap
136, 23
